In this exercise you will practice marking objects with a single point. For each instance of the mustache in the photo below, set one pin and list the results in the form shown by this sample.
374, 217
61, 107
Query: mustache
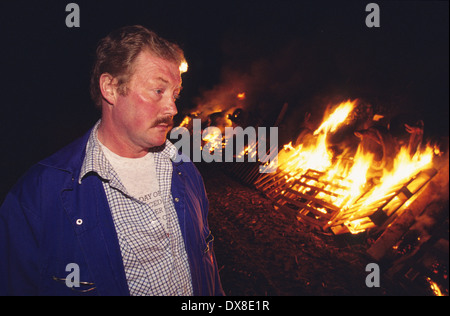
168, 119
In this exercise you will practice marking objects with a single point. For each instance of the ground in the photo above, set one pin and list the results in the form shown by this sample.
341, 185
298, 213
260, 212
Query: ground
261, 252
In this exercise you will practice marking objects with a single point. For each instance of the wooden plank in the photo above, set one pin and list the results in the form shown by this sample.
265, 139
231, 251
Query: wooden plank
304, 206
309, 220
268, 176
267, 182
313, 199
316, 188
385, 204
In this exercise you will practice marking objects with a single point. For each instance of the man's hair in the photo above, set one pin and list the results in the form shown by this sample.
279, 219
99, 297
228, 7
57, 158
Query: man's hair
117, 52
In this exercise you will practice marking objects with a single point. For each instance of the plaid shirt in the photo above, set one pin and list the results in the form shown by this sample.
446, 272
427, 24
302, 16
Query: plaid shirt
155, 263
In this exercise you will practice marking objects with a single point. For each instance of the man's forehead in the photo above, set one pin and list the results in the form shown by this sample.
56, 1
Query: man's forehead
151, 67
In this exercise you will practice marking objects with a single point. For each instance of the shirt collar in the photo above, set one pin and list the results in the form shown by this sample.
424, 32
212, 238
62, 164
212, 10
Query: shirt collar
95, 160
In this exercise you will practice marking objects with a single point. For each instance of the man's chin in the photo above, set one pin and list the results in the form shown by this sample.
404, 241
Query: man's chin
157, 145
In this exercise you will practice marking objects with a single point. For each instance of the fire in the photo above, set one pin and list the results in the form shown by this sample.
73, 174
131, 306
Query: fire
404, 168
241, 96
185, 121
357, 177
345, 184
316, 156
339, 115
184, 67
434, 287
213, 139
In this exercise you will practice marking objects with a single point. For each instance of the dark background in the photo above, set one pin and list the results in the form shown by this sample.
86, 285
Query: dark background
303, 53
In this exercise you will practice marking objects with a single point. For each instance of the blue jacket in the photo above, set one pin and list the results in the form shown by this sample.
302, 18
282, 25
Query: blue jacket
40, 236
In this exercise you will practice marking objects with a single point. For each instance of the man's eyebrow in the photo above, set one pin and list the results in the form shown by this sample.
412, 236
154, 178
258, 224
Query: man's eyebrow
162, 79
167, 82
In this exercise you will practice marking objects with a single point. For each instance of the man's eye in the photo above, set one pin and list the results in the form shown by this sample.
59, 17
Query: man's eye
159, 91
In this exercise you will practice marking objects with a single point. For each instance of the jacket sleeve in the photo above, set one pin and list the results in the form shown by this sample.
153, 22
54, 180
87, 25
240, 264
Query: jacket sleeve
19, 273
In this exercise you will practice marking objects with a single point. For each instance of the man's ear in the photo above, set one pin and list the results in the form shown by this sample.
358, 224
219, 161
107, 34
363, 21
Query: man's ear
108, 88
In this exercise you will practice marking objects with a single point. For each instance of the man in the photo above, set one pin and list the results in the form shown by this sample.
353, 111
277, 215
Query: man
115, 212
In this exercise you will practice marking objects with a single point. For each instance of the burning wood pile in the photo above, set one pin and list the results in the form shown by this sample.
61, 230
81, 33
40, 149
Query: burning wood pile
348, 190
381, 184
348, 175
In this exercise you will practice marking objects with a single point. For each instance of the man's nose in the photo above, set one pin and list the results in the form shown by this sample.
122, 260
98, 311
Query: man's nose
171, 107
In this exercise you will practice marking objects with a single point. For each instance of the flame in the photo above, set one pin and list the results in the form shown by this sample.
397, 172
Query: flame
317, 156
404, 168
357, 177
213, 140
339, 115
185, 121
354, 188
241, 96
184, 67
434, 287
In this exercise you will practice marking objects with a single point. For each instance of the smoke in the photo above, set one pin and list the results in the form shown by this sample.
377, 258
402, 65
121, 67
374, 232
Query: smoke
304, 76
266, 82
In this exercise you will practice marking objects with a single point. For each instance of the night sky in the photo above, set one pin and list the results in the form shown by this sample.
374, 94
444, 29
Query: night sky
303, 53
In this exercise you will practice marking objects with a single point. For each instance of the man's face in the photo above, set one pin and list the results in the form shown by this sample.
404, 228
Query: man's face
144, 115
